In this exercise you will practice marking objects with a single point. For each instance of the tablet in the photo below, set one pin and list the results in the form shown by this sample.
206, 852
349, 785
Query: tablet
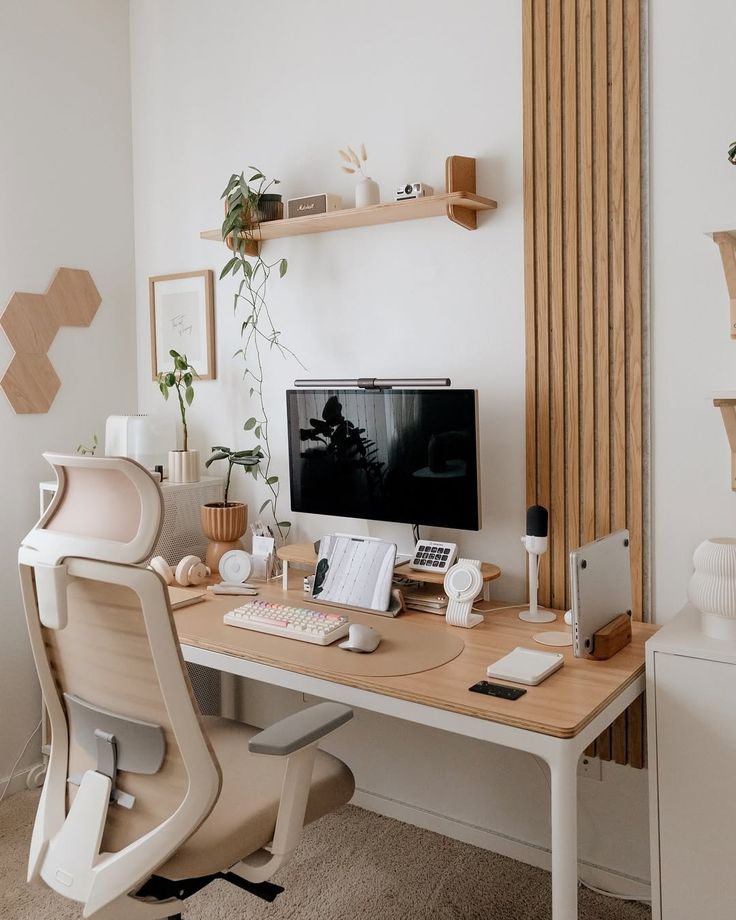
354, 572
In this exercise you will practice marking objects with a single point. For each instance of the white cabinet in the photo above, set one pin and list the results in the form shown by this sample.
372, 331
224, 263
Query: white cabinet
691, 700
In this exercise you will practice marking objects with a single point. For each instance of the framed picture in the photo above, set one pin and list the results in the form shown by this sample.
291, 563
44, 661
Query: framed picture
183, 319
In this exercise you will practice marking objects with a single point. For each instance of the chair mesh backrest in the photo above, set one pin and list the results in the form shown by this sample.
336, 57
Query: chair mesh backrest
103, 656
115, 648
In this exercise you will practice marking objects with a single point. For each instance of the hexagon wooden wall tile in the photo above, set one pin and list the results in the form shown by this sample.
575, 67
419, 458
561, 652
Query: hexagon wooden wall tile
30, 322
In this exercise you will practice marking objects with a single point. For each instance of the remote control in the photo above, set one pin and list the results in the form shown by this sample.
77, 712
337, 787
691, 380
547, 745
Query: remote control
433, 556
506, 693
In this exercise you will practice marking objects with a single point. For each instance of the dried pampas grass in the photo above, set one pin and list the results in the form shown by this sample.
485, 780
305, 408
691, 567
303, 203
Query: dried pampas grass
355, 162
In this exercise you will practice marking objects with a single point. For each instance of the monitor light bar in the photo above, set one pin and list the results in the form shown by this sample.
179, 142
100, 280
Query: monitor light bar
377, 383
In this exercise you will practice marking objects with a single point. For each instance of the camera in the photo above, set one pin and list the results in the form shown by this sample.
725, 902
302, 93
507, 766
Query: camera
412, 190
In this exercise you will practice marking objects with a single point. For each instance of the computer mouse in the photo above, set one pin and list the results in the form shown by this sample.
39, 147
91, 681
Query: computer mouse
361, 639
568, 617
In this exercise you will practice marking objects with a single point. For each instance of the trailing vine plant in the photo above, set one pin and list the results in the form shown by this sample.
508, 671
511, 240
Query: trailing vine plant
258, 333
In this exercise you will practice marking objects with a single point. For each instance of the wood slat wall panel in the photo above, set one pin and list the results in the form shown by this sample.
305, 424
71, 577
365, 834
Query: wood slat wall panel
583, 276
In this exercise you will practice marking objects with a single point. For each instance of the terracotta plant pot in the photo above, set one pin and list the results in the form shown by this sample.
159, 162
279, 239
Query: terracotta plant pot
223, 525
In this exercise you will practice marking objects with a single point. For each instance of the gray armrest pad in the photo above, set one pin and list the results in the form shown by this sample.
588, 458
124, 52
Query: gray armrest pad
302, 728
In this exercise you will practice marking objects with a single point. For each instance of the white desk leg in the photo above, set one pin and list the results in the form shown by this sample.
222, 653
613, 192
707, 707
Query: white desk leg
564, 782
284, 574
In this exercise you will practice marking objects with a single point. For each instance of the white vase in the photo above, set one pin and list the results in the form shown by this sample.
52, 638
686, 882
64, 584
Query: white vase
183, 466
712, 587
367, 192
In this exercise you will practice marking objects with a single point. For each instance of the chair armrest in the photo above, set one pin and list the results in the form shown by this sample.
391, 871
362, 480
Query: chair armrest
303, 728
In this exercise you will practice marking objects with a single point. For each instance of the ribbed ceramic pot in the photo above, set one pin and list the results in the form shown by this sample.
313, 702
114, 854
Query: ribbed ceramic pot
183, 466
224, 522
712, 587
223, 525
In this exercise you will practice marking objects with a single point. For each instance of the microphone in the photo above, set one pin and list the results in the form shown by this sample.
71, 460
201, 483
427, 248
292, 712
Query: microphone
537, 528
535, 543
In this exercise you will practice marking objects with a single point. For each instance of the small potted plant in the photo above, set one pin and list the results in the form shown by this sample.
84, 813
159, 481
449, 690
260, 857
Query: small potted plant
224, 522
183, 464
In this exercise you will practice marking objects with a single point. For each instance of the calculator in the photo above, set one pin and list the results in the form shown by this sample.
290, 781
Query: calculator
433, 556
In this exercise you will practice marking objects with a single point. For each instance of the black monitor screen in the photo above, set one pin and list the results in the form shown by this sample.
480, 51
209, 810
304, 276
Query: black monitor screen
409, 456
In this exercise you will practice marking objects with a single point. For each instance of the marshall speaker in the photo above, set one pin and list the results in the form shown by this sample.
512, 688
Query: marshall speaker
312, 204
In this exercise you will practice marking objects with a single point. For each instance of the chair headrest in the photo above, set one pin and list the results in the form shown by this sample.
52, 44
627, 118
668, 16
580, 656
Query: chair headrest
106, 508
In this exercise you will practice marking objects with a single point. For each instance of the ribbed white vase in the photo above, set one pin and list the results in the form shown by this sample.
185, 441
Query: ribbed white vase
712, 588
183, 466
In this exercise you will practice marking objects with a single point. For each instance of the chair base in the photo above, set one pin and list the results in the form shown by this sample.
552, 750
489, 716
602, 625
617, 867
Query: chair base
163, 889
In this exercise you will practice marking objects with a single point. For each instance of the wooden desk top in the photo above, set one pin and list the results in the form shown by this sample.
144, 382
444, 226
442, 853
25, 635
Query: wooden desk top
560, 706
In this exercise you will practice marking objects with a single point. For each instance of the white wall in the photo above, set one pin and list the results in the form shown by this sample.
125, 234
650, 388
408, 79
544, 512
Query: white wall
418, 299
217, 87
693, 189
65, 200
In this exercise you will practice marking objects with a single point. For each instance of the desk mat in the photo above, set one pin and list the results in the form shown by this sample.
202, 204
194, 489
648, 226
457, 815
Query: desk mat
406, 646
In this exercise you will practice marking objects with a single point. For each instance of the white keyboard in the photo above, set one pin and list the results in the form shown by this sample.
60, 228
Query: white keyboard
291, 622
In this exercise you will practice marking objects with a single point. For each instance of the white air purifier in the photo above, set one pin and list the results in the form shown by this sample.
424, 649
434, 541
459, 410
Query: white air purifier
145, 438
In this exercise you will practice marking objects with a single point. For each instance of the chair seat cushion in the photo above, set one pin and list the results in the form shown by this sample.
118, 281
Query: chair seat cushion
244, 816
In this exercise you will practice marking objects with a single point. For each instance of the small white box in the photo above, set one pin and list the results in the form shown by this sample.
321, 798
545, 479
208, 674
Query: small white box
526, 666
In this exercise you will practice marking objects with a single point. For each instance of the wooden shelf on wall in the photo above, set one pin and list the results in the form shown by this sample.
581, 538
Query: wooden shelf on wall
726, 242
432, 206
459, 203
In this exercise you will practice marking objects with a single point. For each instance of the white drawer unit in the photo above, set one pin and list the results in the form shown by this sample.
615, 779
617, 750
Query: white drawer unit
691, 704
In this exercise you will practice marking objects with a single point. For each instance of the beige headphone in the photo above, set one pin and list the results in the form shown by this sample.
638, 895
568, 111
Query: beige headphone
190, 571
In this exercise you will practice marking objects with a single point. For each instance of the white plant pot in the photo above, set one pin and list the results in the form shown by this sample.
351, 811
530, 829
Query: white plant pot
183, 466
712, 587
367, 192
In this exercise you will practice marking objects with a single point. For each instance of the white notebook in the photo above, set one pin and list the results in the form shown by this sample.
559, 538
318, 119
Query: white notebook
526, 666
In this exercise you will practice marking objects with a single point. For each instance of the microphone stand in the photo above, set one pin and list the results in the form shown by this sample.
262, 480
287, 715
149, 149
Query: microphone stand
535, 546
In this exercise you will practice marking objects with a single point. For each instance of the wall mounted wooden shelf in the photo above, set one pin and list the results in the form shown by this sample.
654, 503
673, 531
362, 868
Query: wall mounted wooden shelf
726, 242
459, 203
726, 402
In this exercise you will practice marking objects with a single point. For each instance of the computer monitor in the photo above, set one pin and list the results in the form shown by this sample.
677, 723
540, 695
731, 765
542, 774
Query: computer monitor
407, 456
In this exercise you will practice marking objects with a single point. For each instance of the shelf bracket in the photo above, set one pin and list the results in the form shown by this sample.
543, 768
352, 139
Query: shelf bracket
726, 242
728, 414
460, 177
252, 247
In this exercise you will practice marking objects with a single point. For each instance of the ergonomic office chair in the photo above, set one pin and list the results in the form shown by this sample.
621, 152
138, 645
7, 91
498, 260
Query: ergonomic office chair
146, 801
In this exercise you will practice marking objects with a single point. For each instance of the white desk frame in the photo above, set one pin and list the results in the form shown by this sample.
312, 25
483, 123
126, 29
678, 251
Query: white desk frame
561, 754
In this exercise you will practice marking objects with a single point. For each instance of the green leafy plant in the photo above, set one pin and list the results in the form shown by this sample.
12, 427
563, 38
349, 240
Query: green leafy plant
258, 333
88, 450
732, 153
180, 379
346, 444
248, 459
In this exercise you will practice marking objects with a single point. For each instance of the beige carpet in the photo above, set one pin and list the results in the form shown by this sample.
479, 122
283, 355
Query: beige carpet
353, 865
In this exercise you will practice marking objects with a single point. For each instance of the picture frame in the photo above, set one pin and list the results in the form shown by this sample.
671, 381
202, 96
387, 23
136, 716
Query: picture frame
182, 312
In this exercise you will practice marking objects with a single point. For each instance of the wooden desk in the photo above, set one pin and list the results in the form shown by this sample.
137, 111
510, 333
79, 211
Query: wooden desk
555, 721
